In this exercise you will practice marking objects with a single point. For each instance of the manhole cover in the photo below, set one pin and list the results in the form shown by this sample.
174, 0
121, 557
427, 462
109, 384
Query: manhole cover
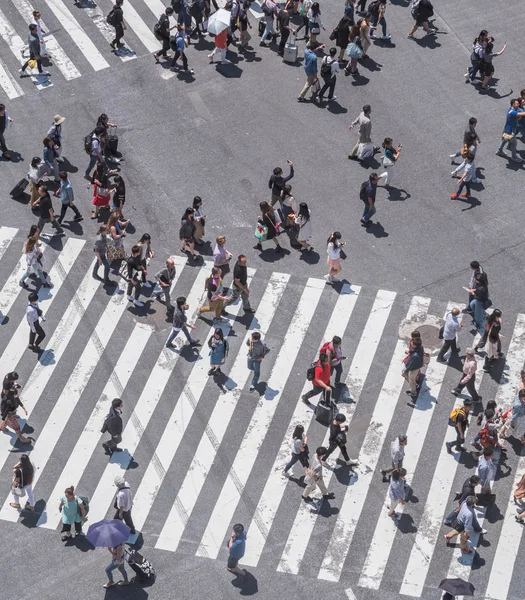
429, 335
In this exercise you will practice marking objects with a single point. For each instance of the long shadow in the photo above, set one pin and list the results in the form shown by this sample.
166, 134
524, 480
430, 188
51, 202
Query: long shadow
398, 195
377, 230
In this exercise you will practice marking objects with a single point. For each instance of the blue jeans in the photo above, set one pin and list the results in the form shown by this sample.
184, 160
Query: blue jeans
463, 184
255, 366
175, 332
511, 144
382, 22
105, 263
368, 212
112, 566
185, 18
480, 317
93, 159
37, 269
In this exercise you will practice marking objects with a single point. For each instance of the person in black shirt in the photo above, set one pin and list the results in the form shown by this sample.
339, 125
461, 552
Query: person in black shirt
119, 25
9, 383
113, 425
338, 439
164, 33
46, 211
283, 19
277, 182
134, 265
240, 284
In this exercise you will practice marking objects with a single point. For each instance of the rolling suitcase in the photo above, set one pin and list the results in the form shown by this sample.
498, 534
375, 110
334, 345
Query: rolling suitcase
325, 410
290, 52
262, 27
145, 573
19, 188
112, 140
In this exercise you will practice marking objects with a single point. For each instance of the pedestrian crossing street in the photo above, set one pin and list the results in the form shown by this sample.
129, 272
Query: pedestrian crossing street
200, 457
77, 38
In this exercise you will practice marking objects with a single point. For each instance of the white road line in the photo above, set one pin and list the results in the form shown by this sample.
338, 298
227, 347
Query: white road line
385, 530
79, 378
6, 237
54, 49
340, 541
213, 538
10, 86
99, 19
146, 404
143, 31
77, 34
156, 7
177, 424
90, 437
502, 569
276, 484
305, 520
510, 536
11, 289
18, 344
223, 410
17, 44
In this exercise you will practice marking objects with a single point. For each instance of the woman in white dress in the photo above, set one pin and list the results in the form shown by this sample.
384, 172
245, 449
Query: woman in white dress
304, 221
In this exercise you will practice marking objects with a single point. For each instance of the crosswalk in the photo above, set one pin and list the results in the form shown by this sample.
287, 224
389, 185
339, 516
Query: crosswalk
199, 457
77, 38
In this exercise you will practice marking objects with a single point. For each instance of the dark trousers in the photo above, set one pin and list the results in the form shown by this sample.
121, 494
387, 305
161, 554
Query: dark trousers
126, 517
361, 5
165, 291
54, 224
285, 34
3, 147
179, 53
447, 345
66, 527
38, 62
196, 29
305, 24
338, 372
113, 442
458, 442
471, 388
332, 446
63, 211
105, 264
297, 457
135, 286
165, 47
329, 84
315, 391
393, 468
38, 334
462, 185
452, 516
119, 34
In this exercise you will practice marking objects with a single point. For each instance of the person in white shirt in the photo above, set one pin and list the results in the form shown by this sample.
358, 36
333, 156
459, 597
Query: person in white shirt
33, 316
40, 32
450, 329
333, 259
468, 176
329, 70
124, 503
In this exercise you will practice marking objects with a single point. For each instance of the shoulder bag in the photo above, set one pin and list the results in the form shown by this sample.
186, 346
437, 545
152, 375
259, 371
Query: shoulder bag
19, 490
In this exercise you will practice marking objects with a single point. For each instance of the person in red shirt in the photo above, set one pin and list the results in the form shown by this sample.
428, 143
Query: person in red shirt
220, 47
321, 380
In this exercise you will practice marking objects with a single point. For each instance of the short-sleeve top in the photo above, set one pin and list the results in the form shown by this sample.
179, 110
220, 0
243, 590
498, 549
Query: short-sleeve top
70, 511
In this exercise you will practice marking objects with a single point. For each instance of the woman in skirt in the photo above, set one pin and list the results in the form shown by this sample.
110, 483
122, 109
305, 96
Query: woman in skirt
218, 351
333, 259
101, 189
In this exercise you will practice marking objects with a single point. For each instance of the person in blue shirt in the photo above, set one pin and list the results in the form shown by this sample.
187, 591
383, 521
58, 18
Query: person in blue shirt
511, 126
65, 191
310, 67
178, 45
237, 546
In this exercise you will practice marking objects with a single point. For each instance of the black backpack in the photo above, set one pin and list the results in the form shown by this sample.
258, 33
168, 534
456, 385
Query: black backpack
111, 20
228, 5
88, 143
362, 192
176, 5
326, 69
310, 372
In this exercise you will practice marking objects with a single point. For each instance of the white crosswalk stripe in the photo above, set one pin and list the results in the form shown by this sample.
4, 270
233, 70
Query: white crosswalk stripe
274, 499
8, 83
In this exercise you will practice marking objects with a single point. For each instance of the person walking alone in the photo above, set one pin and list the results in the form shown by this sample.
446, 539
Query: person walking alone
180, 321
469, 376
333, 258
162, 29
367, 194
459, 417
388, 160
299, 450
113, 425
135, 267
240, 284
22, 484
124, 503
257, 350
314, 476
310, 68
277, 183
101, 254
73, 513
365, 129
218, 351
396, 491
397, 451
337, 439
469, 174
237, 548
117, 562
67, 198
33, 316
329, 71
165, 278
450, 330
414, 362
116, 19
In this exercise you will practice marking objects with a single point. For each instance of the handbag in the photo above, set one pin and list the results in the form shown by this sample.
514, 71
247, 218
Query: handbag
19, 490
333, 35
315, 30
508, 137
354, 51
261, 232
387, 162
116, 252
102, 191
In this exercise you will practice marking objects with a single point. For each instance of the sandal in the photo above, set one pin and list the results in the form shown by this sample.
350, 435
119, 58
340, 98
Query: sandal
14, 505
93, 214
467, 551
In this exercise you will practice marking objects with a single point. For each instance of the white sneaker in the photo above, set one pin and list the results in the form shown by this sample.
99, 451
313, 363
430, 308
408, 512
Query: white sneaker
386, 37
476, 180
452, 156
352, 461
328, 279
147, 284
130, 298
483, 532
285, 473
138, 303
335, 279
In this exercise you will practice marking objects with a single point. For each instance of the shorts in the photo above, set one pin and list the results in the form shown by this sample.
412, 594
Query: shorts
189, 240
232, 562
334, 263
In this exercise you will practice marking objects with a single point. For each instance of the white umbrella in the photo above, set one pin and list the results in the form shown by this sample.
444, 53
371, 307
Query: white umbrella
219, 21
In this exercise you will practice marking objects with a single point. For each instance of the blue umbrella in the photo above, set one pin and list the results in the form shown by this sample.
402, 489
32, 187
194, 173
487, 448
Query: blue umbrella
108, 533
